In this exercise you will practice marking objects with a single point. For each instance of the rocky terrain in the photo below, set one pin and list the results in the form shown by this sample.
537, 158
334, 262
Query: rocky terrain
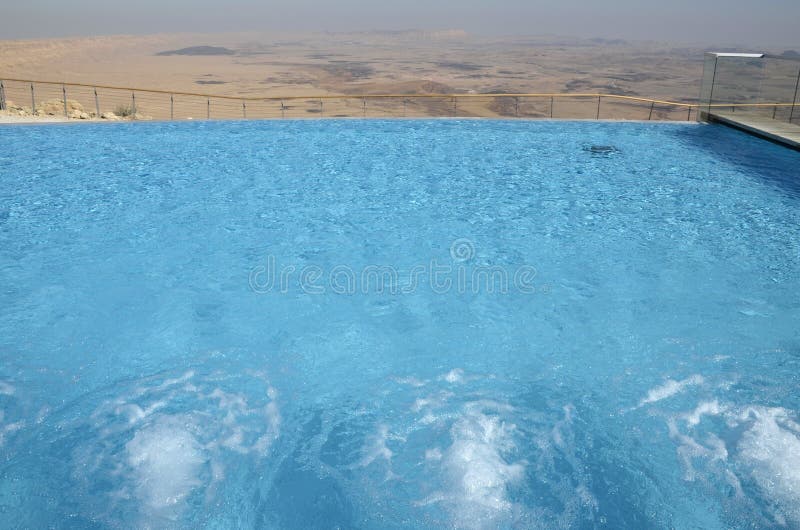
55, 110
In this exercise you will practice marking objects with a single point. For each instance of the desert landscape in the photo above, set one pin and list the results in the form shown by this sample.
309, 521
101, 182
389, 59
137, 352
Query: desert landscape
243, 67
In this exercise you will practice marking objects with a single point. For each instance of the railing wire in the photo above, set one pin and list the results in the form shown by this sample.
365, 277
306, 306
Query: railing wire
86, 101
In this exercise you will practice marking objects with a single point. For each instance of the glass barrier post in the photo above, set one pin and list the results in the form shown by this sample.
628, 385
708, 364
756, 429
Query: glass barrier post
710, 62
713, 80
794, 100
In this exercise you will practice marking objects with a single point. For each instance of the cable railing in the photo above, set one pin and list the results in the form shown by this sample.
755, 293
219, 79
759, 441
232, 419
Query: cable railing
95, 101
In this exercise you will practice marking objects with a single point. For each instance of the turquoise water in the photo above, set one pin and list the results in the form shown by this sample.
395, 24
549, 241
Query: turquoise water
384, 324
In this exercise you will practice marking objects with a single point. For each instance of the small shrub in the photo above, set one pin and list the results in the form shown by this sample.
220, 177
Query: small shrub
123, 111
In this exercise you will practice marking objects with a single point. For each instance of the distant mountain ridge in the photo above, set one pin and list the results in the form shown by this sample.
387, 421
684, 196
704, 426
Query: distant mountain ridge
199, 50
409, 34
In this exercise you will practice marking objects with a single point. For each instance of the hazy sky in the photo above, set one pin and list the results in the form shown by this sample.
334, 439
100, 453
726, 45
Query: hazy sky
768, 22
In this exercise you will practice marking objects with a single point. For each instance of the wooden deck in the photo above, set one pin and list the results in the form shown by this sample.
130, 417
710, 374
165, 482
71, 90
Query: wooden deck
780, 132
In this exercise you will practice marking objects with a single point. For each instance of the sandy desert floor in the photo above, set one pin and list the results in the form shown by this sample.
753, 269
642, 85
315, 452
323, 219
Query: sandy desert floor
411, 62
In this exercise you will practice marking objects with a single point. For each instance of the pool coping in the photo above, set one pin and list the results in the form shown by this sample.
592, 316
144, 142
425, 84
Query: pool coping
781, 134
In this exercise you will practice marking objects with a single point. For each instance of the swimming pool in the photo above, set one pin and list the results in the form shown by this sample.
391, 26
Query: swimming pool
378, 324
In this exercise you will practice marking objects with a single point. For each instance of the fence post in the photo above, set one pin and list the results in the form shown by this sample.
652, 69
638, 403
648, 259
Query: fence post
711, 90
171, 107
689, 117
2, 96
365, 106
283, 110
653, 104
455, 106
33, 101
208, 108
516, 107
552, 100
96, 103
598, 107
794, 100
244, 110
133, 103
405, 102
64, 92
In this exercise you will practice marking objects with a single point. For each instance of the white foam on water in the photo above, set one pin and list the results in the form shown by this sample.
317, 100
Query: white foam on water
689, 449
376, 448
763, 449
229, 401
44, 411
456, 375
558, 437
135, 413
770, 448
472, 471
572, 488
411, 381
669, 389
477, 471
165, 385
272, 418
428, 419
165, 461
706, 408
419, 404
8, 429
431, 402
433, 454
179, 436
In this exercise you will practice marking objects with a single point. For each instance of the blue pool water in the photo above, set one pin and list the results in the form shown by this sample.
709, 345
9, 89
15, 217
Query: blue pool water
368, 324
